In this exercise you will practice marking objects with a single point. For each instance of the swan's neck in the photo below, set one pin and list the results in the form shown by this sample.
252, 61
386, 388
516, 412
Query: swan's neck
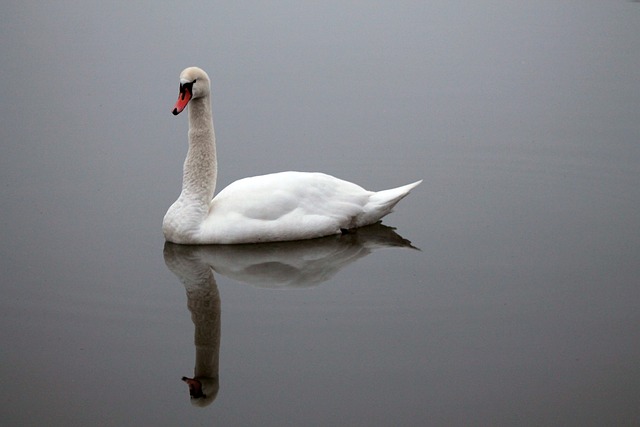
200, 166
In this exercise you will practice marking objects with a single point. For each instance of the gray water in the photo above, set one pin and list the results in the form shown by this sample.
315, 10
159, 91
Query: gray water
519, 308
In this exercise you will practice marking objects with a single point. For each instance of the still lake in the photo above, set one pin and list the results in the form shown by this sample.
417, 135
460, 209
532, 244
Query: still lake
503, 291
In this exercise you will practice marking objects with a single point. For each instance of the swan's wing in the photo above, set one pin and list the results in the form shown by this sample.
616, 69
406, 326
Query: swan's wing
284, 206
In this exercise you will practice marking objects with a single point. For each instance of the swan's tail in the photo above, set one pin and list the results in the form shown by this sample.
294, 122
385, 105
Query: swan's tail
381, 203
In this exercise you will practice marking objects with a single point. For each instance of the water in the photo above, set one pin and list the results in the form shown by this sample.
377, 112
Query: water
519, 308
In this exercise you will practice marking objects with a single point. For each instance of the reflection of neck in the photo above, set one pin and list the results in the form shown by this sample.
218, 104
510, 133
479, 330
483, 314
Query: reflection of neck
204, 305
200, 166
203, 301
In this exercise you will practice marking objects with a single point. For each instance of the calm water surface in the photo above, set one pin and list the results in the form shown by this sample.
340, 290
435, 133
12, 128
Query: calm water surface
507, 293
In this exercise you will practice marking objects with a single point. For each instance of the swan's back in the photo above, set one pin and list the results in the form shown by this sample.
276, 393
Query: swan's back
292, 206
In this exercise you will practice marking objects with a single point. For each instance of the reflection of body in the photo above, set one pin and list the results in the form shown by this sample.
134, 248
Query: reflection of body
203, 300
295, 264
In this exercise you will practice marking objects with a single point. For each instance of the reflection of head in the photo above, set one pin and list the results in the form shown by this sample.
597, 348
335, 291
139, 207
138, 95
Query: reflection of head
195, 387
202, 390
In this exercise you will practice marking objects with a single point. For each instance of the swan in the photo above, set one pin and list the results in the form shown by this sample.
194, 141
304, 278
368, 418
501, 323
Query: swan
281, 206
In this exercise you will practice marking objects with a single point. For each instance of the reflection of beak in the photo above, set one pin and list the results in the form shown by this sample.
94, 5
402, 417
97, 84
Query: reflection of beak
195, 386
183, 99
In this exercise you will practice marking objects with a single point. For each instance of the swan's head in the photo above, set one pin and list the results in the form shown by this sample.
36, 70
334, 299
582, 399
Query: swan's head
194, 83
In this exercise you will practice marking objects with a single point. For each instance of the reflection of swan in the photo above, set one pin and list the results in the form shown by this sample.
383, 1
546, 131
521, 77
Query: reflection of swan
276, 207
294, 264
203, 301
276, 265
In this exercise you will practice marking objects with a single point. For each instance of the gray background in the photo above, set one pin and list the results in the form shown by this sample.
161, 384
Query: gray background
520, 308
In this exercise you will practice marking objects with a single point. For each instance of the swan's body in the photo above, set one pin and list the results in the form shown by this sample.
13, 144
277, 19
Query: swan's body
276, 207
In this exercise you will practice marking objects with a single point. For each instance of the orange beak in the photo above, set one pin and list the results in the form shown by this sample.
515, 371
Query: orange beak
183, 99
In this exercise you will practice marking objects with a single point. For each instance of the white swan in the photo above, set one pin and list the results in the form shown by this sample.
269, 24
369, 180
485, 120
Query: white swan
276, 207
